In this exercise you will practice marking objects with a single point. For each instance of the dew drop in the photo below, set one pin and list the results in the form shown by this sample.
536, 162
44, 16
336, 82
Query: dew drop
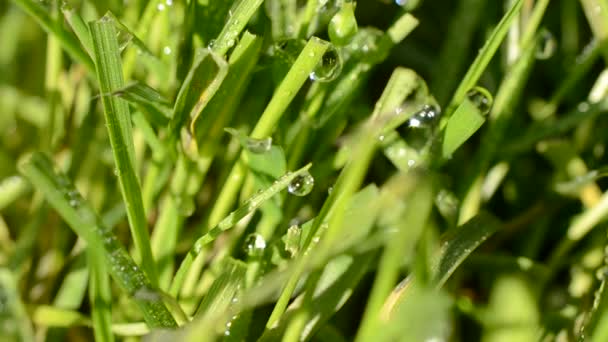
481, 98
124, 39
167, 50
254, 247
301, 185
259, 146
546, 45
160, 7
425, 117
329, 66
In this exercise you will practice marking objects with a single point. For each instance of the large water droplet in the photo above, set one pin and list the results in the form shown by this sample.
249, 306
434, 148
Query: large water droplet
259, 145
255, 245
481, 98
301, 185
343, 25
329, 66
546, 45
124, 39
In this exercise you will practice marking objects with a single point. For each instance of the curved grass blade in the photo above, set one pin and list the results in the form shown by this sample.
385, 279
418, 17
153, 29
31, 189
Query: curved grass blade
79, 215
239, 16
233, 218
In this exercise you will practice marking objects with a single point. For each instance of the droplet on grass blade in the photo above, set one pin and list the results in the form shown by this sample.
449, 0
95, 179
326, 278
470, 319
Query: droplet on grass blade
481, 98
255, 245
259, 145
301, 185
427, 116
329, 66
343, 25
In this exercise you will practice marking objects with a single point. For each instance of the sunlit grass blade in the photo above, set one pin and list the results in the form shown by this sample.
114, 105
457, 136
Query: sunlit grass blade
62, 195
118, 122
100, 295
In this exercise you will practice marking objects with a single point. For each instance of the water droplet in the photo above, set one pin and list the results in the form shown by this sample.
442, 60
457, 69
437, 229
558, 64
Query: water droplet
425, 117
481, 98
583, 107
124, 39
169, 2
160, 7
329, 66
254, 246
546, 45
259, 146
301, 185
211, 44
167, 50
343, 25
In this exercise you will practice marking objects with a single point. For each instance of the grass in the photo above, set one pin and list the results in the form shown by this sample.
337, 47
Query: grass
286, 170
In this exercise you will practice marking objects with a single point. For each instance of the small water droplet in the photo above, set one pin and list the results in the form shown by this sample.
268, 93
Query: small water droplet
124, 39
329, 66
254, 247
546, 45
301, 185
583, 107
169, 2
259, 146
481, 98
211, 44
425, 117
160, 7
167, 50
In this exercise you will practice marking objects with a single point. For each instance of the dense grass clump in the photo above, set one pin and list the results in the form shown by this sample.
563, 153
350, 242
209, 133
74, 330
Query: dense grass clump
303, 170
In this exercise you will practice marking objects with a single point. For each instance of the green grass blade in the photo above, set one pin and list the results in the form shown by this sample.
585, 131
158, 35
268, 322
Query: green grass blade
82, 219
203, 80
14, 314
482, 60
413, 222
240, 14
465, 121
118, 121
100, 295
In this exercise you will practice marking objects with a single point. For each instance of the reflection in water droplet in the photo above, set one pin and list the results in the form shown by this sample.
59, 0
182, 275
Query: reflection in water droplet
301, 185
254, 247
329, 66
425, 117
546, 46
481, 98
259, 145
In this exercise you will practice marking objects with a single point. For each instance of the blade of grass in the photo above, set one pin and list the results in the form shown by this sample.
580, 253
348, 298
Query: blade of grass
240, 14
298, 74
118, 122
413, 221
62, 195
482, 60
100, 295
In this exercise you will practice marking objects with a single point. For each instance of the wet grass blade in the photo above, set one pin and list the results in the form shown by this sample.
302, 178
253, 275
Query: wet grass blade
62, 195
482, 60
118, 122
